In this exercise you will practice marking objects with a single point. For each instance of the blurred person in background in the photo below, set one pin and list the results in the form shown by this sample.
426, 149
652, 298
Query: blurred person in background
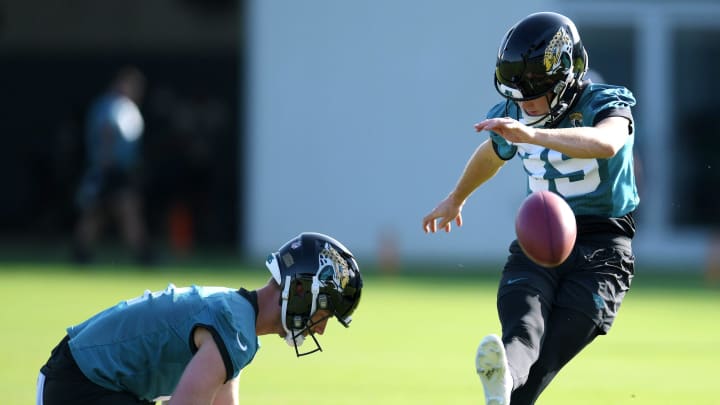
111, 186
188, 345
575, 138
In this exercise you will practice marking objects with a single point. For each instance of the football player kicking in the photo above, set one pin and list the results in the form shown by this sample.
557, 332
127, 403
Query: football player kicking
575, 138
188, 345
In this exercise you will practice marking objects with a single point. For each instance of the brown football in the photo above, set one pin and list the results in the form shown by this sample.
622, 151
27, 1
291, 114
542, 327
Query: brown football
545, 228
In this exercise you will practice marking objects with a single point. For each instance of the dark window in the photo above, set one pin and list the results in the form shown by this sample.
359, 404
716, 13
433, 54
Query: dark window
696, 131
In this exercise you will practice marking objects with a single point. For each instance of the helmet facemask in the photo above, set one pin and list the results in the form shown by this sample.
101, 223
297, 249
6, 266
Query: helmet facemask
300, 300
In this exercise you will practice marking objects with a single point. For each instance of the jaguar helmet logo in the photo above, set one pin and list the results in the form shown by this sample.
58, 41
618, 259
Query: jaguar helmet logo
576, 119
558, 52
333, 268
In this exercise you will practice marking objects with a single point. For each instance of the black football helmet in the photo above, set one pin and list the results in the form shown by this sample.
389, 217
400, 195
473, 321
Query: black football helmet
542, 55
314, 272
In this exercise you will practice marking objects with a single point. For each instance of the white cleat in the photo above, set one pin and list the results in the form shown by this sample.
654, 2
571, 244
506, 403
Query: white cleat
491, 366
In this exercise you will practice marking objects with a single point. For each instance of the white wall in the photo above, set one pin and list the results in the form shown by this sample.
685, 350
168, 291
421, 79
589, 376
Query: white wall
360, 120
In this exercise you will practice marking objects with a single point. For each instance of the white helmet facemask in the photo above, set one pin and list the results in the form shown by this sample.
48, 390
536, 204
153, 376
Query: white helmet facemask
295, 333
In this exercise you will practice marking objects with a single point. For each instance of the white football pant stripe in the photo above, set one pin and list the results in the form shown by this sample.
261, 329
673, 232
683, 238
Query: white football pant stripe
40, 389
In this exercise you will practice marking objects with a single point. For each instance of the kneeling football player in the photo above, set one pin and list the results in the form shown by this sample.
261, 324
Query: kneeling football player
188, 345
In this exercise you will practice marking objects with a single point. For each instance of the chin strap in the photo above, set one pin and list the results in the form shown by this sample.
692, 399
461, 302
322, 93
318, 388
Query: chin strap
569, 91
528, 119
293, 338
559, 106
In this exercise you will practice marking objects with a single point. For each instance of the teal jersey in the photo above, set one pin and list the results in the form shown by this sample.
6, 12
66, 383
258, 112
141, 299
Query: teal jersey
143, 345
599, 187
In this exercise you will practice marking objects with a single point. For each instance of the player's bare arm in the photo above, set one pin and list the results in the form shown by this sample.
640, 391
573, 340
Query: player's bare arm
481, 166
204, 375
601, 141
223, 336
228, 394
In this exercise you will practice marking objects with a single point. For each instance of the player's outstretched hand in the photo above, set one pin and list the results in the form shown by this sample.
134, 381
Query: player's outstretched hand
510, 129
447, 211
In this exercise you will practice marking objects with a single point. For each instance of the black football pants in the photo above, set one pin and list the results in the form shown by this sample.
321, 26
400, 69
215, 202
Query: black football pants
538, 349
549, 315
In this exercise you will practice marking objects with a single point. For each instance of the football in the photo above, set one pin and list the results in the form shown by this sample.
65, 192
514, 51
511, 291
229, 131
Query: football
545, 228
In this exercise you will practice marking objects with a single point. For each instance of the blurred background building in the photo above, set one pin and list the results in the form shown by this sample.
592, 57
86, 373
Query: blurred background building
58, 56
265, 118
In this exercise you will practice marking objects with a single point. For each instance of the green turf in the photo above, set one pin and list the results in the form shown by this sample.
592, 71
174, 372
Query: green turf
412, 341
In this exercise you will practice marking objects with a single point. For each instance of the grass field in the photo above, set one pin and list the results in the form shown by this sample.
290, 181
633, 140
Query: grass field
412, 341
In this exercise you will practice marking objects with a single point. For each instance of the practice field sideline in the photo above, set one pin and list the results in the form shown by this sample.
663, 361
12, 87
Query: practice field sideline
412, 341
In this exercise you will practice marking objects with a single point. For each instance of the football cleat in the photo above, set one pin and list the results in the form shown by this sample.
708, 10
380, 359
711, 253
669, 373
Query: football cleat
492, 368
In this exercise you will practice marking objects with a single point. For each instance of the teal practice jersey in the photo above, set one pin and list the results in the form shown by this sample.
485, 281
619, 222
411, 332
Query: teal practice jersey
143, 345
601, 187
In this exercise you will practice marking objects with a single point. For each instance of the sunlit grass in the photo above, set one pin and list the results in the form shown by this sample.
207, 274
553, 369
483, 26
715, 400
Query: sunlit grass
412, 340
